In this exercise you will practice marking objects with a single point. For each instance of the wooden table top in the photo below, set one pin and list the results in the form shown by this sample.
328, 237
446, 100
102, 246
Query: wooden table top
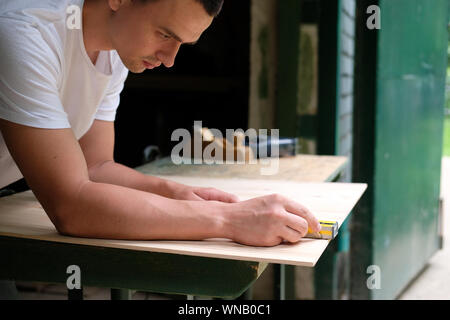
300, 168
22, 216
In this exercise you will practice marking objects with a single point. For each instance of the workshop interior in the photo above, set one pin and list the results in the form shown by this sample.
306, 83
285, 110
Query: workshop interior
337, 82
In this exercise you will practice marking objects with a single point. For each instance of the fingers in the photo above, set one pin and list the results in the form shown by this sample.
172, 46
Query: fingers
297, 224
194, 197
291, 235
228, 197
301, 211
212, 194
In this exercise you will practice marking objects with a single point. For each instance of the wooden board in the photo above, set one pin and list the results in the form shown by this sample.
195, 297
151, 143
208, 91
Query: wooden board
22, 216
300, 168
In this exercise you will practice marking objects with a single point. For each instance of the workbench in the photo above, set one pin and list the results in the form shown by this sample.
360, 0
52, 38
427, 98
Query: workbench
32, 250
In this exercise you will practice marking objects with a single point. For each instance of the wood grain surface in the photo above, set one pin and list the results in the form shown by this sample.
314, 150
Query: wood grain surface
22, 216
299, 168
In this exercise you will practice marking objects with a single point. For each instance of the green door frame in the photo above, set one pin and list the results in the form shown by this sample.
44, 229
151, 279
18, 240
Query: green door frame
287, 85
399, 100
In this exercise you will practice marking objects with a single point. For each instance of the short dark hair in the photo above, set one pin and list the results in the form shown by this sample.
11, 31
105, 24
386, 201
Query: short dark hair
212, 7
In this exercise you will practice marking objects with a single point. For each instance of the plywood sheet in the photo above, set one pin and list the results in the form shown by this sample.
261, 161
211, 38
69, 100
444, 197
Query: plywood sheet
22, 216
300, 168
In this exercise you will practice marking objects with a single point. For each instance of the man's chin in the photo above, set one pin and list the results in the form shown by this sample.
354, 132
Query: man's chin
134, 67
136, 71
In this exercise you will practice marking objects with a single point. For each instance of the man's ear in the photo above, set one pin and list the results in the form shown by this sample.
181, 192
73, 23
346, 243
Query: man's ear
116, 4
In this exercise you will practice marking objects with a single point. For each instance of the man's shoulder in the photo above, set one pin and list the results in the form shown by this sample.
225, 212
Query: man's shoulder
23, 18
35, 11
34, 27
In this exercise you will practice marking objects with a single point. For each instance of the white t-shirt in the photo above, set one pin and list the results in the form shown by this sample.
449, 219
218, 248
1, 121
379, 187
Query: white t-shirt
47, 79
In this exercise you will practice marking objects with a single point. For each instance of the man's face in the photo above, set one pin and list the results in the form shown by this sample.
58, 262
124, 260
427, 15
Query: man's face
148, 34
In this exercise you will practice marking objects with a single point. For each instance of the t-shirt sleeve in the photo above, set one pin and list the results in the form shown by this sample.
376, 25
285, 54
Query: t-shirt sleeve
108, 107
30, 70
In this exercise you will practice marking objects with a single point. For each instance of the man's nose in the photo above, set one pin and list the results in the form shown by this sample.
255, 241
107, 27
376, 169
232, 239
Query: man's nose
168, 54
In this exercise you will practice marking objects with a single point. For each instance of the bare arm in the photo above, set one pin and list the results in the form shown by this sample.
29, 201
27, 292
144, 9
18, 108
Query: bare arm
98, 148
55, 168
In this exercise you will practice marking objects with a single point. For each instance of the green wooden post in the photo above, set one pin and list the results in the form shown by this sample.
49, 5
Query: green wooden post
326, 142
286, 107
328, 48
398, 137
288, 61
335, 130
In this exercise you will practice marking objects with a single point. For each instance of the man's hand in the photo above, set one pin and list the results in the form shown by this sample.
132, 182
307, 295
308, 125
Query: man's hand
98, 148
92, 197
203, 194
269, 221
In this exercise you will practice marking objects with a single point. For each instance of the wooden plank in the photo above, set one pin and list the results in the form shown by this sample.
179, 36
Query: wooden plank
22, 216
301, 168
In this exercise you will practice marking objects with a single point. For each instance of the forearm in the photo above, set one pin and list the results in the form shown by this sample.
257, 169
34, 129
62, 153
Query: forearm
115, 212
111, 172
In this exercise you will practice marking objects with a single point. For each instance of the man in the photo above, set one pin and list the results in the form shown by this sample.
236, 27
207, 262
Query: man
59, 91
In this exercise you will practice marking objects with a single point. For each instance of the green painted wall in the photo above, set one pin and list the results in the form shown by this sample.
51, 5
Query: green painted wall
399, 107
411, 67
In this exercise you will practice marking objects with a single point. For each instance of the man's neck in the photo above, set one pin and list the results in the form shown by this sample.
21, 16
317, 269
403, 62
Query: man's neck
95, 27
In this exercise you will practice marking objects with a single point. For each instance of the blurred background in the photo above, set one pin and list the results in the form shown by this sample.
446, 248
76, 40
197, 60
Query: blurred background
315, 70
447, 106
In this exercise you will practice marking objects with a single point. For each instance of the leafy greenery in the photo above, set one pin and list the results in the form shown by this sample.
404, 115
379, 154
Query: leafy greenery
447, 137
447, 91
446, 150
447, 84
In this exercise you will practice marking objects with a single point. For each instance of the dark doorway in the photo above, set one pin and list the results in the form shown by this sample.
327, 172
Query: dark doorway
209, 82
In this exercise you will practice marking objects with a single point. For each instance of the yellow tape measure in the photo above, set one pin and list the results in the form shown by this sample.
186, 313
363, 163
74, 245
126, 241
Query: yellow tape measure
329, 230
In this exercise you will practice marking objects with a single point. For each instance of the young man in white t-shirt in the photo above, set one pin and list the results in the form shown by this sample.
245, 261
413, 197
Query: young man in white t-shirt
59, 91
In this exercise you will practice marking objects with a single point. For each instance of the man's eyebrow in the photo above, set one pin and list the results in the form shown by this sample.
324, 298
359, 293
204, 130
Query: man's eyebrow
173, 35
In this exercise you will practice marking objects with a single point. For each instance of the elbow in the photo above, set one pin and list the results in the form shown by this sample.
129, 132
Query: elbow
65, 225
64, 218
65, 209
66, 229
68, 213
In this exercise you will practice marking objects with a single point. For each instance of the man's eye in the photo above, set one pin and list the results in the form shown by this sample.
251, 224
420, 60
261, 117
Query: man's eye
164, 36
